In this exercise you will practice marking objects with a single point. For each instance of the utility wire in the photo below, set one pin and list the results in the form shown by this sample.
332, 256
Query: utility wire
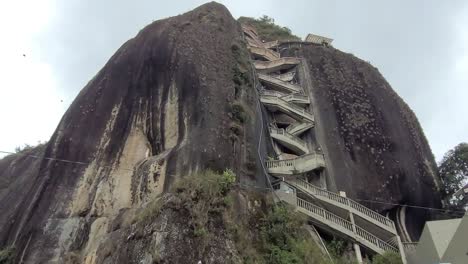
127, 169
61, 160
237, 184
413, 206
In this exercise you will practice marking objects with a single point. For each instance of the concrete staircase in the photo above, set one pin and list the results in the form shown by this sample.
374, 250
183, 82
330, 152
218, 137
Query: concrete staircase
290, 141
299, 128
264, 53
329, 211
273, 103
299, 165
277, 83
346, 204
298, 99
286, 77
284, 63
327, 220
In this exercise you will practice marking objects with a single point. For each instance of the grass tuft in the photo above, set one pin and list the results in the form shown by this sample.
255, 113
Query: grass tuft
268, 30
7, 255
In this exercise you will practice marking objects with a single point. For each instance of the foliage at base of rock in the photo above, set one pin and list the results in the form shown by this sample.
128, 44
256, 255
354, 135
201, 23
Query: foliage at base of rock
285, 240
387, 258
275, 235
7, 255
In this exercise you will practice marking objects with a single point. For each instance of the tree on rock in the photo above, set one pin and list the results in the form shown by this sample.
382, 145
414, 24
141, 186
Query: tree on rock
453, 170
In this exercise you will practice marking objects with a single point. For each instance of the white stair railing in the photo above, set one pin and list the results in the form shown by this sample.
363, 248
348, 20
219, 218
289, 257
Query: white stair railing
281, 131
286, 97
410, 246
286, 77
377, 242
297, 165
264, 52
284, 61
367, 239
299, 127
345, 202
286, 106
278, 82
328, 216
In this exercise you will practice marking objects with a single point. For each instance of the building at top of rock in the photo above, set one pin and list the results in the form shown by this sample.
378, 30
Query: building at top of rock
316, 39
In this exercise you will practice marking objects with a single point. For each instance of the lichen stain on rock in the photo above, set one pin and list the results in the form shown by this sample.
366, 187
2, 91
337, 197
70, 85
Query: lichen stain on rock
171, 118
96, 234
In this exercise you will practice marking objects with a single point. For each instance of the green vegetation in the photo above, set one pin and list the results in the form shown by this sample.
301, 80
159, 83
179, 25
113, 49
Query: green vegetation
7, 255
204, 193
241, 79
336, 248
453, 170
151, 210
262, 232
238, 113
285, 240
26, 147
277, 236
267, 29
340, 251
240, 69
387, 258
241, 56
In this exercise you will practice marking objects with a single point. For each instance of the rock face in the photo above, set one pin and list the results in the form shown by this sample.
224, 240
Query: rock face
374, 146
173, 100
176, 99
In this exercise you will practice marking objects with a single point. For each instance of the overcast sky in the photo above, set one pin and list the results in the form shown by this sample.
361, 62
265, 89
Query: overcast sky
50, 49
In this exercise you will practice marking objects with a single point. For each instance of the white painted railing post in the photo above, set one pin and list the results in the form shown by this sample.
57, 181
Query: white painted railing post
402, 250
357, 248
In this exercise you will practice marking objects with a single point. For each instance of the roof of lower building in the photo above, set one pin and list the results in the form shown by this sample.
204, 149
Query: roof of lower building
442, 232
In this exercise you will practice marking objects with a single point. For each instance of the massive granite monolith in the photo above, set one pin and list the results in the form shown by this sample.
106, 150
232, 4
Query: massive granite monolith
177, 99
173, 100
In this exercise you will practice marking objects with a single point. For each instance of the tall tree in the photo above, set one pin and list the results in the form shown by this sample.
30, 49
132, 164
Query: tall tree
453, 170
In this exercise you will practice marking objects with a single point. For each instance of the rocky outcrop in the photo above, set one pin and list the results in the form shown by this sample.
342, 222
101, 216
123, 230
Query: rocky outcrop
177, 99
173, 100
374, 147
